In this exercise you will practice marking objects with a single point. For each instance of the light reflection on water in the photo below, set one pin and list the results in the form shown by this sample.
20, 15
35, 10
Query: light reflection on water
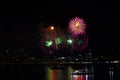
82, 77
111, 73
67, 74
43, 72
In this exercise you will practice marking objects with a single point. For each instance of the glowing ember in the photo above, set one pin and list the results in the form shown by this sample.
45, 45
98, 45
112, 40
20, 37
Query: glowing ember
52, 28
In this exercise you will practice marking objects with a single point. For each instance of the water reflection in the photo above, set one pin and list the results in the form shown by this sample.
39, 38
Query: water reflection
82, 77
69, 73
111, 73
53, 74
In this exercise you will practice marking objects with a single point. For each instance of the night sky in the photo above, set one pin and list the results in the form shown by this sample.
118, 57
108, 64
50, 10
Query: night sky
19, 28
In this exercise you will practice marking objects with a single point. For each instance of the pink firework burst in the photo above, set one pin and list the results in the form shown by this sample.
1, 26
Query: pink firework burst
77, 26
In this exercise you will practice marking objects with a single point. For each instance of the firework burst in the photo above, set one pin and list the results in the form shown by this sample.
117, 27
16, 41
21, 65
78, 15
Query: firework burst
47, 46
77, 26
80, 43
52, 40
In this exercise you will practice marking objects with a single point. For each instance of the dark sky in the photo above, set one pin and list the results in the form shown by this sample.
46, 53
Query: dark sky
19, 26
